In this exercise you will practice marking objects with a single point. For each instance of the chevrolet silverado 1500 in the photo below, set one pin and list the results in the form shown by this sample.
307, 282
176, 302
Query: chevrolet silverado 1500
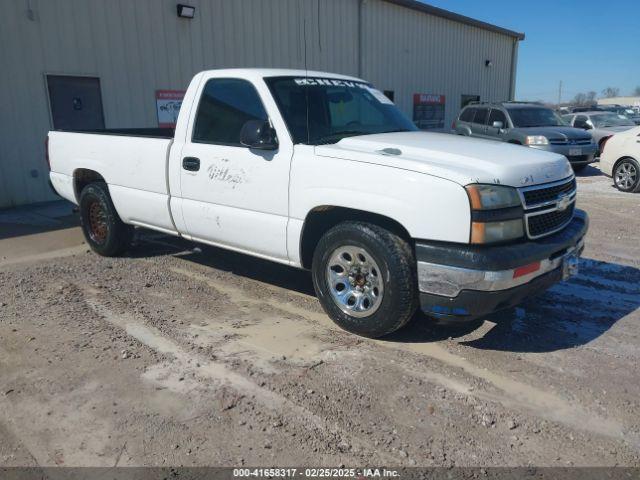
321, 171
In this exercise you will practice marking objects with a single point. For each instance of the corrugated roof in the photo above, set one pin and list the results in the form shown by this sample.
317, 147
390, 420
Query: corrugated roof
439, 12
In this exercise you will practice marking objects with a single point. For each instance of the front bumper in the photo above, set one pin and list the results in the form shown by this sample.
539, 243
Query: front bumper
585, 156
465, 282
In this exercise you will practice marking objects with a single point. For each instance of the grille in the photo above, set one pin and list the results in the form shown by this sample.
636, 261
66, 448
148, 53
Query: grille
564, 141
544, 223
550, 194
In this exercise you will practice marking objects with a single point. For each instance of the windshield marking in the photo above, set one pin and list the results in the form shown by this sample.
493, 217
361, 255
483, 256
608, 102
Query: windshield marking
329, 82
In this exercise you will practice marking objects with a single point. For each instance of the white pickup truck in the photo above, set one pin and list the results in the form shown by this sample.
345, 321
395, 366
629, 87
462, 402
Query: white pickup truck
321, 171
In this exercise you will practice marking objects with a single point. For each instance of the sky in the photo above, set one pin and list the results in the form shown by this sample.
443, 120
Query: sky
588, 44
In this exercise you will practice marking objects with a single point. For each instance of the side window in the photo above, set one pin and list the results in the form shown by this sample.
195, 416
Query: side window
226, 105
467, 114
498, 116
580, 121
481, 116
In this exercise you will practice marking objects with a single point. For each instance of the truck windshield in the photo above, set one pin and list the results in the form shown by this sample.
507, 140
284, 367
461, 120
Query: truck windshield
535, 117
320, 111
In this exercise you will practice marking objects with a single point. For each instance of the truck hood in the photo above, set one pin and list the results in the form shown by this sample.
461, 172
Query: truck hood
460, 159
560, 133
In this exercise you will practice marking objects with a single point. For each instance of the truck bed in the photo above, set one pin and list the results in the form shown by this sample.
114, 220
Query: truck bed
129, 132
133, 162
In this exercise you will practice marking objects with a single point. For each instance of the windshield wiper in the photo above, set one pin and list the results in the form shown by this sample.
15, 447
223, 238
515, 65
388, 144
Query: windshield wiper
398, 130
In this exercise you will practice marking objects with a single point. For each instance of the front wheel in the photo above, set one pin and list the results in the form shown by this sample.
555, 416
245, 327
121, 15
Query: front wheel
626, 175
365, 278
103, 229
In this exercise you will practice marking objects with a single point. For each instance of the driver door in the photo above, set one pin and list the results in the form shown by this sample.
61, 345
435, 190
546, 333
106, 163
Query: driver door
234, 196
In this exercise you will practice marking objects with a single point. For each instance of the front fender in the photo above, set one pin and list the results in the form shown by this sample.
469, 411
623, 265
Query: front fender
427, 207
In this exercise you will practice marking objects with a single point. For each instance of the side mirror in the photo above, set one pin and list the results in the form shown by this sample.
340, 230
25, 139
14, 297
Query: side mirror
258, 134
498, 124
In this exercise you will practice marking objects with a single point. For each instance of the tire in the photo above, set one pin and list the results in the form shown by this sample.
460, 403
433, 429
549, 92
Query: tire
579, 168
381, 295
103, 229
626, 175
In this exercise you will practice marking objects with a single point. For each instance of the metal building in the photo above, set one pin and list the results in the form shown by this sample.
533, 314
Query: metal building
121, 63
630, 101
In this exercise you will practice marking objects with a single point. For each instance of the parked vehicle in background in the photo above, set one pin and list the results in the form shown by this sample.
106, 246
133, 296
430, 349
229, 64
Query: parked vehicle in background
528, 124
322, 171
590, 108
601, 125
624, 111
621, 160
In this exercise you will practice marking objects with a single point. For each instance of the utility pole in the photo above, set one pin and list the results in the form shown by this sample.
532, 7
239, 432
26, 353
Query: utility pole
560, 93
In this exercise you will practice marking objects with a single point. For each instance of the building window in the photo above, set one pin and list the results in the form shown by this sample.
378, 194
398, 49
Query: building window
390, 94
467, 99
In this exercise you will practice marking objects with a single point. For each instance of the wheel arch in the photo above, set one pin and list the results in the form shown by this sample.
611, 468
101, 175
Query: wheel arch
322, 218
603, 140
83, 177
624, 157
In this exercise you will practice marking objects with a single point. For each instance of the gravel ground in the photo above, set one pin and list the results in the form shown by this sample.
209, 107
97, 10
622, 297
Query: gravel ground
186, 355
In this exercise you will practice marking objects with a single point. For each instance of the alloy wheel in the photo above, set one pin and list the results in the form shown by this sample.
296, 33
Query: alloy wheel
626, 175
355, 281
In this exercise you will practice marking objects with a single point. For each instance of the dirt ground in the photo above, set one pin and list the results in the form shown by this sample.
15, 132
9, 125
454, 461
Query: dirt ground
188, 355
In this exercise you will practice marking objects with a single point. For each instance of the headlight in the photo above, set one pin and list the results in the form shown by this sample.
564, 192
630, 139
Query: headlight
488, 197
536, 140
496, 213
492, 232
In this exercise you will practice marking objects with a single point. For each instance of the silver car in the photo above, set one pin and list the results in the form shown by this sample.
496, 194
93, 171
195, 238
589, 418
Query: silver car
529, 124
601, 125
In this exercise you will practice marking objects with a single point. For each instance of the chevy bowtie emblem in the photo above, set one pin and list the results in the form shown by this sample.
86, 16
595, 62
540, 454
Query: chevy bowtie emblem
563, 203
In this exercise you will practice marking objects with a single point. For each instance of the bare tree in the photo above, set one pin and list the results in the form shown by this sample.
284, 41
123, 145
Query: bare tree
610, 92
636, 91
579, 99
591, 97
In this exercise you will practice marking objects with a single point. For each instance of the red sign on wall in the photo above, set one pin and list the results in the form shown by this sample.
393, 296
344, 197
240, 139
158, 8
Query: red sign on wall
168, 103
428, 110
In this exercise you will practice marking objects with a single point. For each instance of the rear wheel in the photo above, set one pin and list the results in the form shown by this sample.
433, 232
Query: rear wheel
626, 175
103, 229
579, 168
365, 278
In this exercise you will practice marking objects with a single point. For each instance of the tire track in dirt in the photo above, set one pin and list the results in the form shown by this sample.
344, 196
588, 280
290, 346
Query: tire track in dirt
218, 372
514, 395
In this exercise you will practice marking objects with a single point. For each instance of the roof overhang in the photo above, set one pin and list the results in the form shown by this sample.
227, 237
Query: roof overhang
439, 12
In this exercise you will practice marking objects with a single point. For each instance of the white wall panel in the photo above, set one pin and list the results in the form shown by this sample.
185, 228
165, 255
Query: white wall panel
138, 46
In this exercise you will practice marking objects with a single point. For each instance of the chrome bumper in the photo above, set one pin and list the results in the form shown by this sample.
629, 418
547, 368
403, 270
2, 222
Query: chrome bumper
449, 281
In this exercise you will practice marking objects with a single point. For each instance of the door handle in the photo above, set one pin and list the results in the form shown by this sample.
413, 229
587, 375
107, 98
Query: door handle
191, 163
